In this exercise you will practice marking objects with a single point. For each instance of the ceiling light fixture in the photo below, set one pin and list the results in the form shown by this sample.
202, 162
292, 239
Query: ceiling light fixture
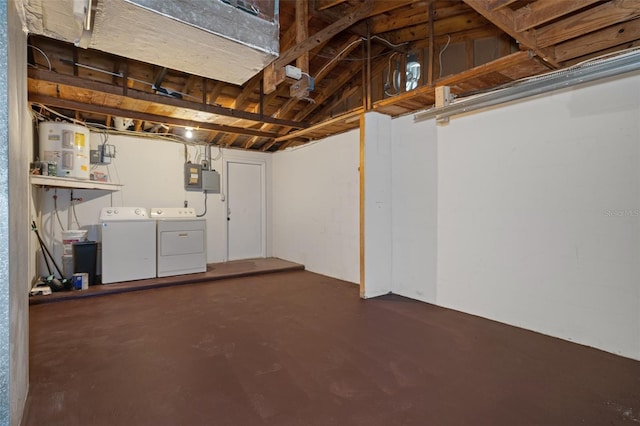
189, 133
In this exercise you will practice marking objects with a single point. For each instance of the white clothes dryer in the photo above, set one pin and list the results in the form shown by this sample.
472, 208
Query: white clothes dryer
181, 241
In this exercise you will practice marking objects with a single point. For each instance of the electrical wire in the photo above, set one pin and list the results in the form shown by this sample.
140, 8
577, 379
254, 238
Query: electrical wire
75, 216
222, 171
42, 53
170, 137
121, 75
388, 43
121, 192
55, 207
441, 52
217, 156
336, 57
387, 84
205, 206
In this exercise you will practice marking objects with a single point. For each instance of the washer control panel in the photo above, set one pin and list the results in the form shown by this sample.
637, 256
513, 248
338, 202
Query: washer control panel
173, 212
123, 213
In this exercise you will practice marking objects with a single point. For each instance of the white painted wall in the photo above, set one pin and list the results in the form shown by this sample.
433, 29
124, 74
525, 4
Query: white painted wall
152, 173
316, 206
538, 215
16, 261
414, 209
377, 205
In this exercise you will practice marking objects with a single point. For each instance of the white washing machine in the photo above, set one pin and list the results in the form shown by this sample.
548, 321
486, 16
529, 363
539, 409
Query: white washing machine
128, 244
182, 241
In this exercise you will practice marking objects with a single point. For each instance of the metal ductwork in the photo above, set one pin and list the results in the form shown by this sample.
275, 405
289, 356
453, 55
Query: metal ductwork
222, 40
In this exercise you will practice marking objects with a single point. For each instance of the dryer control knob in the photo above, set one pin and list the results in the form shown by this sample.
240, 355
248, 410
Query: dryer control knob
137, 211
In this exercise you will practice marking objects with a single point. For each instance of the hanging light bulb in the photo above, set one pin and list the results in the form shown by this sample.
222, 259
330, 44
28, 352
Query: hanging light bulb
189, 133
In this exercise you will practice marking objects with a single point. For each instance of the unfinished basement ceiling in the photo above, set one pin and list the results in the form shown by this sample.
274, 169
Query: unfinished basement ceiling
353, 56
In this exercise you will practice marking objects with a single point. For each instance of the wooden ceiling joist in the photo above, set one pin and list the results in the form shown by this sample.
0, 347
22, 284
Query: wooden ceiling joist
251, 86
543, 11
504, 19
598, 41
318, 38
450, 26
588, 21
406, 17
498, 4
137, 115
343, 50
53, 77
378, 7
326, 4
346, 121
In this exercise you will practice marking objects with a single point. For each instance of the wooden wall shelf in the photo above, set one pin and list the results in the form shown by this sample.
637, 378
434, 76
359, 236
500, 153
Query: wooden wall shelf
63, 182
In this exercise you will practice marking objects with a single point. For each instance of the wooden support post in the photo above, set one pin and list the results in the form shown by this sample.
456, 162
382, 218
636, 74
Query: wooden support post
272, 77
368, 68
125, 78
302, 32
469, 47
431, 63
261, 105
204, 90
75, 61
364, 82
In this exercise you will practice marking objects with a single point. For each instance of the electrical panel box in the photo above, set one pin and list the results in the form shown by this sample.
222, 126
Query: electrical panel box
211, 181
102, 155
95, 157
192, 177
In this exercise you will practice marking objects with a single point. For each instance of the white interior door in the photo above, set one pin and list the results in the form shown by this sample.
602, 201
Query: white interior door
245, 210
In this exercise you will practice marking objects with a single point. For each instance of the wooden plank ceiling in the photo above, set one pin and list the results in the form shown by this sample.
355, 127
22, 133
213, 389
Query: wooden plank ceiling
363, 55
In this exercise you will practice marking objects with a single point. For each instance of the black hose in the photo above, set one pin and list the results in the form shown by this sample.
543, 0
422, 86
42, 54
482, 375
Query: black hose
46, 258
35, 229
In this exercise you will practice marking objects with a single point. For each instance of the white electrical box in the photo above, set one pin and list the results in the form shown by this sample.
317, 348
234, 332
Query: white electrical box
293, 72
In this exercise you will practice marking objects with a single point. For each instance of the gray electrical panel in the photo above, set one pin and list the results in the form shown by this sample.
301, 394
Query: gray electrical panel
211, 181
192, 177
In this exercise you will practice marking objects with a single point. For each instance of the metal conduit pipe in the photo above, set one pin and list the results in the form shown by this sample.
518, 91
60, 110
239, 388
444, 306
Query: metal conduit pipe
599, 69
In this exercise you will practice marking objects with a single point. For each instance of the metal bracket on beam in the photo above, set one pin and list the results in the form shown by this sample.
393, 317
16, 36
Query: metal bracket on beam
443, 99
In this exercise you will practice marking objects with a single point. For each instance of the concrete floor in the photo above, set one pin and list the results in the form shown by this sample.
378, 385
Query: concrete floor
297, 348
